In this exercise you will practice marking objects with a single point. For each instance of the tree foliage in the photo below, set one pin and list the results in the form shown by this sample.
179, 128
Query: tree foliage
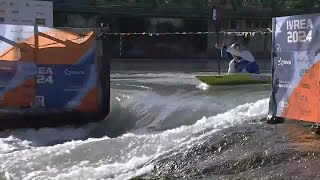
305, 5
288, 4
279, 4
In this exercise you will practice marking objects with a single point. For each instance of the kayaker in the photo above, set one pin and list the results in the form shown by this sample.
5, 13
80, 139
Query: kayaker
242, 62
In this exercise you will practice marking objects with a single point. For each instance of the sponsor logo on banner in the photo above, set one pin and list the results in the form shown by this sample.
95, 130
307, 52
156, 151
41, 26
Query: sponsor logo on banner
302, 61
2, 11
303, 72
5, 68
285, 84
304, 98
45, 70
283, 62
284, 104
305, 86
68, 72
277, 48
299, 30
39, 101
40, 13
39, 5
72, 89
14, 20
27, 21
18, 39
40, 21
22, 31
45, 75
14, 12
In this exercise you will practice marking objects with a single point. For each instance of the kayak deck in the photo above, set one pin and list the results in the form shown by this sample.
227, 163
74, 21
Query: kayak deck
235, 79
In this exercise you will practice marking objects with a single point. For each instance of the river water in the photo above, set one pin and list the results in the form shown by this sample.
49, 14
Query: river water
167, 125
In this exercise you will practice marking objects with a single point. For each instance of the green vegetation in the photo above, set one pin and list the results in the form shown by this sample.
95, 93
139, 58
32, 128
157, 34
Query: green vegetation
290, 4
156, 3
196, 8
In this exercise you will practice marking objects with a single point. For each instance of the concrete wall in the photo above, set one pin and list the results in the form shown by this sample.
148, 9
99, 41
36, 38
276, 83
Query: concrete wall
186, 65
75, 20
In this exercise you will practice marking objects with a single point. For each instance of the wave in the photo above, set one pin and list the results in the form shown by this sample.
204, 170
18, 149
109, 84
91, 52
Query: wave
124, 157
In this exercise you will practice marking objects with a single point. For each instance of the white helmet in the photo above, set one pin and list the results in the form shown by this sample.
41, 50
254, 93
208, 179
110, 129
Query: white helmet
234, 49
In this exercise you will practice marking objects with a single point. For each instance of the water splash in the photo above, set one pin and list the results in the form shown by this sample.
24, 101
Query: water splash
123, 157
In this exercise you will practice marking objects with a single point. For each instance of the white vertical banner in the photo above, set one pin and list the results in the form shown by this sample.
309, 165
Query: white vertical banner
26, 12
16, 34
214, 14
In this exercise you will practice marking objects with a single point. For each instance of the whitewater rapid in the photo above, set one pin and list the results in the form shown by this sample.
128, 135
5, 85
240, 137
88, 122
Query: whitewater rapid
168, 114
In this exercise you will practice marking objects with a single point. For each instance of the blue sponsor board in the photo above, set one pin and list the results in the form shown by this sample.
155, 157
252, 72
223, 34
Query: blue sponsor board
7, 72
63, 86
57, 86
296, 48
89, 57
14, 74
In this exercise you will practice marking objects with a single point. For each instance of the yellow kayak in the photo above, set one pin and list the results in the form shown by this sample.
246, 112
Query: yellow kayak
235, 79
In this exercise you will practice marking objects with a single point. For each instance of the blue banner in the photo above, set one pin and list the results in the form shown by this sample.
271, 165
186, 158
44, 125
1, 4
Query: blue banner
63, 86
295, 67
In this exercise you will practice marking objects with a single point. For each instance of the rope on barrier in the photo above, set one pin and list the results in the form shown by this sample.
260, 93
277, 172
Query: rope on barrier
237, 33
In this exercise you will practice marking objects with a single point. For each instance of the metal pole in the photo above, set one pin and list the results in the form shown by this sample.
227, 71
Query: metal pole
217, 27
36, 45
104, 68
120, 48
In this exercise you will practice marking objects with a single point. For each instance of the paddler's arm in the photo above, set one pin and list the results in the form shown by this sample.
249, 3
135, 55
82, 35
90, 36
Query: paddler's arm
223, 48
220, 46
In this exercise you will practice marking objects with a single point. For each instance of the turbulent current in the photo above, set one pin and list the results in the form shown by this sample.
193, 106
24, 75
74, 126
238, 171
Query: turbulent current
167, 125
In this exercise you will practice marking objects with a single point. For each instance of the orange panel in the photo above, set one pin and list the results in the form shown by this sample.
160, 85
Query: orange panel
90, 101
303, 104
21, 96
54, 47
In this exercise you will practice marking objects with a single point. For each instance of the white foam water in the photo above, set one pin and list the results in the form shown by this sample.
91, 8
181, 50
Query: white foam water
112, 158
